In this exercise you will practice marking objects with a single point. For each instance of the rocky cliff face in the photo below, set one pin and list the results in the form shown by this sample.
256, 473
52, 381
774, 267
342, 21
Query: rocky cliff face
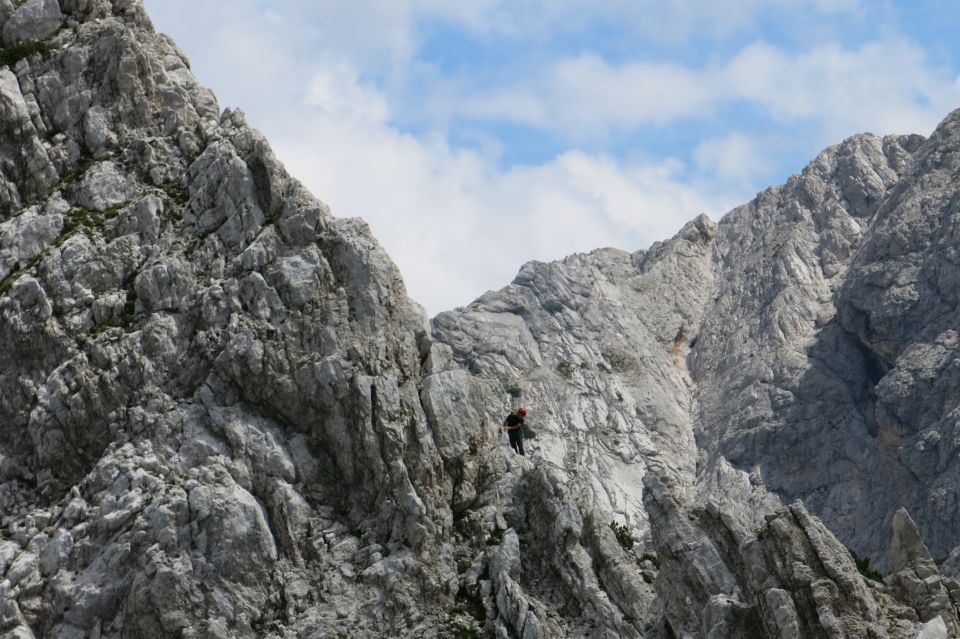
221, 416
210, 387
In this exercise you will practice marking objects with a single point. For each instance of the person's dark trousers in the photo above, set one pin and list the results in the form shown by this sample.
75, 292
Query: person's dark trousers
516, 440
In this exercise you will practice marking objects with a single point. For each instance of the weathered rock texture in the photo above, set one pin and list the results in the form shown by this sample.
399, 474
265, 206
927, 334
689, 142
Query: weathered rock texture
210, 415
221, 416
789, 577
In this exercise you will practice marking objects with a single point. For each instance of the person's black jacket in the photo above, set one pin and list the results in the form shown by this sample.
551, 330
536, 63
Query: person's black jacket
513, 422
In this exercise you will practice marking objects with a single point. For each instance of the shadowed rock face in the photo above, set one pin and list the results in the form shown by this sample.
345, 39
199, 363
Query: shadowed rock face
785, 390
221, 416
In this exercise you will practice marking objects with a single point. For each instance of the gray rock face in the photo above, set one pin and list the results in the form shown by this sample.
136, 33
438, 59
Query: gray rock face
221, 416
211, 414
591, 344
900, 303
783, 389
32, 20
780, 391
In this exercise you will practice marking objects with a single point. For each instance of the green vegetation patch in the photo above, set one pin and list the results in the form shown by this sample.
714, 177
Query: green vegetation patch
863, 565
512, 388
127, 316
463, 630
618, 362
623, 535
176, 192
85, 220
14, 53
177, 198
469, 601
496, 537
651, 558
123, 321
264, 628
564, 369
14, 275
79, 171
8, 281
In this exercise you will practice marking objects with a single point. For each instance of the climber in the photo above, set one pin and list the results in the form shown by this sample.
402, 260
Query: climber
513, 424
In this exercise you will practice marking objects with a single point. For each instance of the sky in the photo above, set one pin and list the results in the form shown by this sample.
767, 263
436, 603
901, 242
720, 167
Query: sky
476, 135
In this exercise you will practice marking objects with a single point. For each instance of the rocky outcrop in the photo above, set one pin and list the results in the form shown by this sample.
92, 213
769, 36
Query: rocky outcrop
900, 303
223, 416
597, 348
789, 578
916, 579
765, 390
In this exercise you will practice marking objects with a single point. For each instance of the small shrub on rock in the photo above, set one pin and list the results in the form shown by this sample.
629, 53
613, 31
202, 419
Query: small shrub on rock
623, 535
512, 388
496, 537
14, 53
863, 565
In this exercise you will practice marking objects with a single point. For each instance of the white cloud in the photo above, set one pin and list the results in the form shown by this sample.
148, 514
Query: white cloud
734, 158
385, 34
586, 96
885, 87
339, 90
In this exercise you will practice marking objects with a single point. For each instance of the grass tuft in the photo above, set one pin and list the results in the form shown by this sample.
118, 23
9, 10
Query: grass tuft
564, 369
863, 566
14, 53
10, 280
511, 388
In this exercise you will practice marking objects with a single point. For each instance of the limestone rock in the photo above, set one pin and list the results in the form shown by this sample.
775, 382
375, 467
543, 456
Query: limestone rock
789, 578
933, 629
917, 581
32, 20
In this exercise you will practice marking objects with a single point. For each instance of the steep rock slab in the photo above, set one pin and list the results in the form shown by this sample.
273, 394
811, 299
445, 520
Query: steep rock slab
900, 300
915, 578
595, 346
784, 391
556, 570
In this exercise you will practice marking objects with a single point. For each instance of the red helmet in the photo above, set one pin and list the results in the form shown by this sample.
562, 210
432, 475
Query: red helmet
521, 411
